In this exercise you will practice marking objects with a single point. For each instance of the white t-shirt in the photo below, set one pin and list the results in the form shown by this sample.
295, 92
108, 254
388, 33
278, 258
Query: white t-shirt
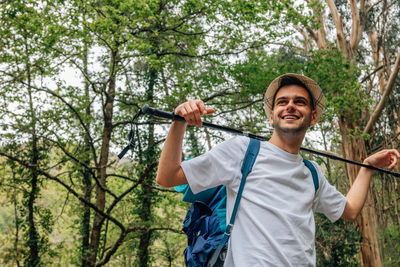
275, 224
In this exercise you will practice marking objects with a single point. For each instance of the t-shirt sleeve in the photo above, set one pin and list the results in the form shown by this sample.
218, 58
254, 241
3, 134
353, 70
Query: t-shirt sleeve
328, 201
219, 166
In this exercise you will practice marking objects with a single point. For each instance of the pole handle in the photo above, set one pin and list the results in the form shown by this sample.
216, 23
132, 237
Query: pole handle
161, 113
170, 115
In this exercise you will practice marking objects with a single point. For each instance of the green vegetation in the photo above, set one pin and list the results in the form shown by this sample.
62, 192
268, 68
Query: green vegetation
66, 200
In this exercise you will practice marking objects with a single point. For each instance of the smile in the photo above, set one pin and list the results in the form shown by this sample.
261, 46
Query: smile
290, 117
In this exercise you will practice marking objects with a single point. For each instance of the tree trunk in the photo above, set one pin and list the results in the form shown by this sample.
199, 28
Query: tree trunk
33, 242
103, 161
354, 148
16, 221
147, 185
86, 178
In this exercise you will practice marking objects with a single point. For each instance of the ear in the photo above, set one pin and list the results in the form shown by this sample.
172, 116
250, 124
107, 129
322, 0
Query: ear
314, 119
271, 117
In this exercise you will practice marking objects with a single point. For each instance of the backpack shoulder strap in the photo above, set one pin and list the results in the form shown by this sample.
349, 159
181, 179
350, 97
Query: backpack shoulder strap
247, 165
314, 173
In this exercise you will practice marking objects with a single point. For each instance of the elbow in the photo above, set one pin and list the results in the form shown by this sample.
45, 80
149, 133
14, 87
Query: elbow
169, 178
350, 213
160, 180
351, 218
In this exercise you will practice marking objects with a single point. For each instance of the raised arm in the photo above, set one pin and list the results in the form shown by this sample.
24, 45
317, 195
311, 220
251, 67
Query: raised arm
358, 192
169, 171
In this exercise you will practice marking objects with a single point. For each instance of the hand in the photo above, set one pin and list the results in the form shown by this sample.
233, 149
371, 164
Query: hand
192, 111
385, 158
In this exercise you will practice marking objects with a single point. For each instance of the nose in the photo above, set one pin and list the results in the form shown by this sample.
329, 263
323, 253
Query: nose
291, 106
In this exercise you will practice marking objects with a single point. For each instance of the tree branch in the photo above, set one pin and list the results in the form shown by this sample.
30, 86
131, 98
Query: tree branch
356, 27
69, 189
70, 106
339, 27
117, 244
139, 181
117, 199
372, 73
389, 87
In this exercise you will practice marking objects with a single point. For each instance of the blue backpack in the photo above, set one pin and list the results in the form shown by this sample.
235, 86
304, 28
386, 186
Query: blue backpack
205, 222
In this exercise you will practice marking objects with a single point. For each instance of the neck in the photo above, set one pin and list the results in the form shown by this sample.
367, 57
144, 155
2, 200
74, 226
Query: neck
290, 144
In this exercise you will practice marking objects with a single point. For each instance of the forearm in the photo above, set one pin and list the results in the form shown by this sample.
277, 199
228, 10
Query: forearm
357, 194
169, 170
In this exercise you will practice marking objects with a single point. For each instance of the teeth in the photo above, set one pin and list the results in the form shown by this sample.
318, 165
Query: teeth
290, 117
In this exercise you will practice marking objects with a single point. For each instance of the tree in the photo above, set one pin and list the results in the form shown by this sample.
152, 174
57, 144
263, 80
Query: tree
128, 53
25, 52
140, 49
351, 21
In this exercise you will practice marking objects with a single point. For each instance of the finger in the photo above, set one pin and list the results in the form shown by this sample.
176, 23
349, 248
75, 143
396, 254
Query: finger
179, 110
393, 160
204, 110
202, 107
210, 110
196, 112
193, 112
188, 114
396, 152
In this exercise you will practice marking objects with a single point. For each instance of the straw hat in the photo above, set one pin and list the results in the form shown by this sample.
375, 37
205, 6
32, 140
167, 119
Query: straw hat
312, 86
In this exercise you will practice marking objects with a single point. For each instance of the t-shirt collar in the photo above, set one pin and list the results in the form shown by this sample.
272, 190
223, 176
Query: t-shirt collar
283, 153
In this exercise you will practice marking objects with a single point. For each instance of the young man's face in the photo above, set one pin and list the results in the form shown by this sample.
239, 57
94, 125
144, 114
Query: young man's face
292, 113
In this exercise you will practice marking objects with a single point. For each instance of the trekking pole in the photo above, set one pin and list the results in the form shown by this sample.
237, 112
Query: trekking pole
170, 115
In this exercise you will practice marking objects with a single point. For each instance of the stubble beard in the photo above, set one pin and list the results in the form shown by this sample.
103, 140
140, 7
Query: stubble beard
293, 132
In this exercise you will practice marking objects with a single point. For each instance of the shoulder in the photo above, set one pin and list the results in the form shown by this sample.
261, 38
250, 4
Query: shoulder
317, 168
316, 172
234, 143
241, 140
232, 148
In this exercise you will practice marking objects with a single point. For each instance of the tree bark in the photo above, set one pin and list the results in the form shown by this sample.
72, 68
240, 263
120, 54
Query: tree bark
33, 242
358, 23
386, 92
103, 160
86, 177
16, 222
374, 42
321, 34
354, 148
341, 40
147, 185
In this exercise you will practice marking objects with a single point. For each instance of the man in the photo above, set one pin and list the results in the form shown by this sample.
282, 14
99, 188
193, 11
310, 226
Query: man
275, 221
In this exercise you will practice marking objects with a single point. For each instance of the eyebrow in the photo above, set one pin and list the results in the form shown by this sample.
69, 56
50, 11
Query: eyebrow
297, 97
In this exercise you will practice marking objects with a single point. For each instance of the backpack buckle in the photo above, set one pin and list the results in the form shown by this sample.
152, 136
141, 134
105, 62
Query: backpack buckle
228, 230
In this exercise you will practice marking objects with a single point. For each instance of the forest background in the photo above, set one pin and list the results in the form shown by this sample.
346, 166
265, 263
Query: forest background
66, 199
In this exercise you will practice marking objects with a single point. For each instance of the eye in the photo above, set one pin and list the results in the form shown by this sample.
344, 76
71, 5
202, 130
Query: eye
281, 102
301, 102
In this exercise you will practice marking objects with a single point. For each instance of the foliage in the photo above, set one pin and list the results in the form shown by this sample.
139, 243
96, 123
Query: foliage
64, 192
337, 243
392, 245
337, 77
